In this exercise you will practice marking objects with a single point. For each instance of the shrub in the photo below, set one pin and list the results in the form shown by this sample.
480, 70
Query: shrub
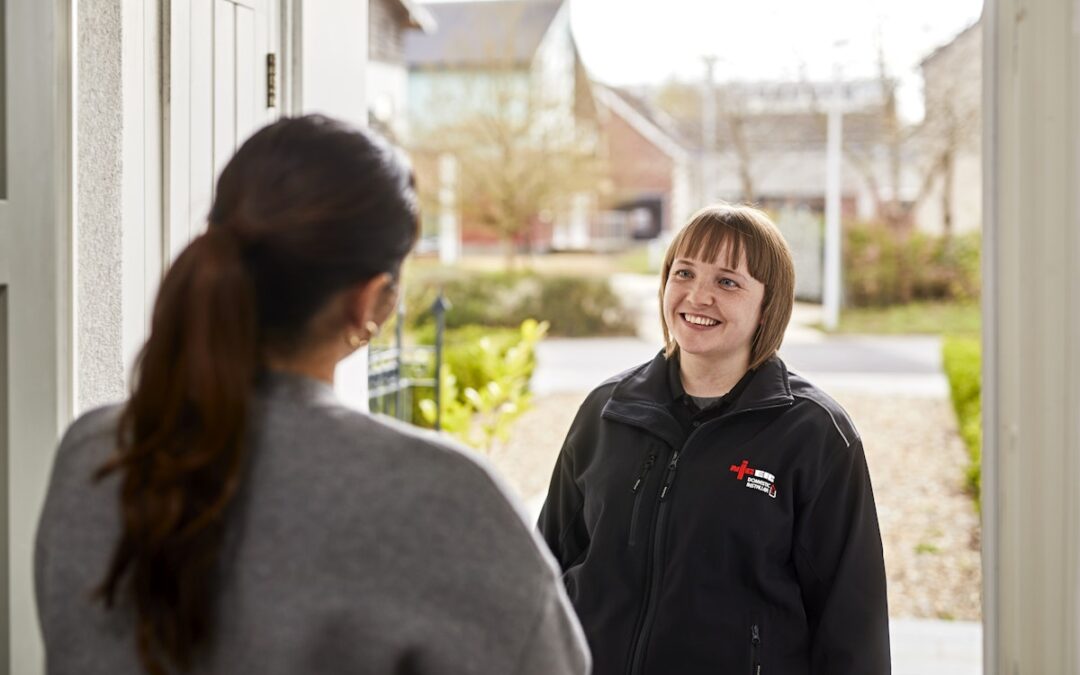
884, 267
573, 306
963, 366
485, 383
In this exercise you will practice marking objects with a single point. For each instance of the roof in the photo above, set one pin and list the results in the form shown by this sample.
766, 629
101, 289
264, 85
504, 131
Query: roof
652, 124
419, 17
504, 32
945, 47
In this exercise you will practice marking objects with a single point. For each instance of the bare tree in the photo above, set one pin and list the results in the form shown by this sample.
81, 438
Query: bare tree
520, 159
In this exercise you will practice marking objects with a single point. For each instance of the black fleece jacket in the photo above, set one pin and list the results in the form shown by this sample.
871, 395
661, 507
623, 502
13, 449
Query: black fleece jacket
745, 541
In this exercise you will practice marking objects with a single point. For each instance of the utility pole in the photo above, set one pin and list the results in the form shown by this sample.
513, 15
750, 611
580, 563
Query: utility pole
708, 133
833, 232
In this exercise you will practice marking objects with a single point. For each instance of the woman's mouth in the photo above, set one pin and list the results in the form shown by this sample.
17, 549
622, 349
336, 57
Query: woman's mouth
699, 320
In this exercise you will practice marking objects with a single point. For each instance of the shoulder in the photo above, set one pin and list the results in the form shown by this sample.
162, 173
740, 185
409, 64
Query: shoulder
88, 442
822, 411
93, 425
418, 475
591, 409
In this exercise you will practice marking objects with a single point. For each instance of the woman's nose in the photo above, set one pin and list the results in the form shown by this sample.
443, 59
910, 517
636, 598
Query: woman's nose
700, 294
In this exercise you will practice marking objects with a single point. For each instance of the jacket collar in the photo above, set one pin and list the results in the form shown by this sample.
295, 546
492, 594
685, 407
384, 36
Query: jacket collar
643, 398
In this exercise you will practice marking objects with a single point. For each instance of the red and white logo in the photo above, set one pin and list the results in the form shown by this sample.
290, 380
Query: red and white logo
756, 479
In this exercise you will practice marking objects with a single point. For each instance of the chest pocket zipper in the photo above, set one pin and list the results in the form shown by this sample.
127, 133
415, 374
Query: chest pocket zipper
755, 645
636, 490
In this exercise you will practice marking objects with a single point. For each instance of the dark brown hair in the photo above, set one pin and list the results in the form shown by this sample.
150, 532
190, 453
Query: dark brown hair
305, 209
740, 230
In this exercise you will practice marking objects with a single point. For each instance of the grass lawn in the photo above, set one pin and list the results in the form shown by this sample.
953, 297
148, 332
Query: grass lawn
915, 318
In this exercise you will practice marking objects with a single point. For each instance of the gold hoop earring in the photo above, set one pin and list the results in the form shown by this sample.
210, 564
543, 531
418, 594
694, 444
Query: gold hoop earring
372, 328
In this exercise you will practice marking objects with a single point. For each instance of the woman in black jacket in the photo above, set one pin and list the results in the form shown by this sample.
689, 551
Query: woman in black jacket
712, 511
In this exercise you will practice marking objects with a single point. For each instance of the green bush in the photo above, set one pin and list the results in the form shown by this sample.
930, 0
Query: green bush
963, 366
573, 306
485, 382
885, 267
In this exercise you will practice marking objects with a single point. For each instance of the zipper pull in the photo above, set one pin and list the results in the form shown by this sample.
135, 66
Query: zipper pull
672, 465
755, 635
644, 472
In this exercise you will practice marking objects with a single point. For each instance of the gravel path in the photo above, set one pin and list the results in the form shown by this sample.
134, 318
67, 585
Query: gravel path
929, 525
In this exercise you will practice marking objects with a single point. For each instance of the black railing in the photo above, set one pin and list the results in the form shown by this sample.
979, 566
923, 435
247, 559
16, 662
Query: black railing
395, 372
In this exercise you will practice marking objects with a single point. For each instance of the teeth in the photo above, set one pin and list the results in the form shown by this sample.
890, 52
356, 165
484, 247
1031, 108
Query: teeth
700, 320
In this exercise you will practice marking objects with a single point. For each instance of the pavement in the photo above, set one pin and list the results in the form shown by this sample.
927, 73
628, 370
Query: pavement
893, 365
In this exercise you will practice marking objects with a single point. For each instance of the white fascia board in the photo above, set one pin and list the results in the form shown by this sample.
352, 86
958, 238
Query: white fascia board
641, 124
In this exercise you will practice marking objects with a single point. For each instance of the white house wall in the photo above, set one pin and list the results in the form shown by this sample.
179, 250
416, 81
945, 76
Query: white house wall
553, 68
118, 249
966, 199
387, 92
99, 219
333, 47
441, 97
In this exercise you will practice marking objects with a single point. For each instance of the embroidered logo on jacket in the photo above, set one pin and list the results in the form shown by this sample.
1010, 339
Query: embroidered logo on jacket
756, 479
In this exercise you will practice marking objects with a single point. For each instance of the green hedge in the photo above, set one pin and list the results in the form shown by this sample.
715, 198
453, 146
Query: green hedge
885, 267
572, 306
963, 366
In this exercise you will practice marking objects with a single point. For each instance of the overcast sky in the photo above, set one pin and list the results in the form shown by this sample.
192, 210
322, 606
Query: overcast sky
648, 41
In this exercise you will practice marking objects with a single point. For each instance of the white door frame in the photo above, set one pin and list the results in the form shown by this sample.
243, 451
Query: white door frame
36, 224
1031, 337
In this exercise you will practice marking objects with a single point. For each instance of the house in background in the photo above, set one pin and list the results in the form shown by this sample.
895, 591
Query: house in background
514, 62
950, 136
768, 142
387, 76
649, 167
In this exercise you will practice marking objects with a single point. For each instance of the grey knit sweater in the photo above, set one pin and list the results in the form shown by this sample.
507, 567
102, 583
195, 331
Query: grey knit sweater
356, 545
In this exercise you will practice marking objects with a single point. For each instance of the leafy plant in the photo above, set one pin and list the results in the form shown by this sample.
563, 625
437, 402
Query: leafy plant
492, 390
963, 366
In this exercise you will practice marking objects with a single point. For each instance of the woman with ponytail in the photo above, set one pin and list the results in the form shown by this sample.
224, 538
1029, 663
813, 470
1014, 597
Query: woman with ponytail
232, 516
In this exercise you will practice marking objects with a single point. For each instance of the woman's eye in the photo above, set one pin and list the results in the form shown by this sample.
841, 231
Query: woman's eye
728, 283
683, 274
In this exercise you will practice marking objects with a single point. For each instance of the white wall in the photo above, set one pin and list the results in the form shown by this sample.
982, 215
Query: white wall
388, 92
332, 50
1031, 333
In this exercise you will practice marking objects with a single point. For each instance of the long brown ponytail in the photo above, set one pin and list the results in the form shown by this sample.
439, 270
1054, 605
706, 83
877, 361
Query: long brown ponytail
305, 208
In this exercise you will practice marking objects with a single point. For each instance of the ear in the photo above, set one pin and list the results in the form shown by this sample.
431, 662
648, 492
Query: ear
370, 300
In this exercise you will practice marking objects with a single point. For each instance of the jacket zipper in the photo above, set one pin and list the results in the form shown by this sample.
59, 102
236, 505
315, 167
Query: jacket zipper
653, 588
649, 461
755, 643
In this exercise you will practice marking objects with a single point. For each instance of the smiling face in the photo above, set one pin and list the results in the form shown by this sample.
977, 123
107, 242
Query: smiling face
713, 308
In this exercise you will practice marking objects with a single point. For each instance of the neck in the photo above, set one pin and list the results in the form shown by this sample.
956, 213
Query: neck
705, 377
316, 364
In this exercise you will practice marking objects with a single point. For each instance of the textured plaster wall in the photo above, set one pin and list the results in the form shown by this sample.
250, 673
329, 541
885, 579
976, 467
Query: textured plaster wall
99, 127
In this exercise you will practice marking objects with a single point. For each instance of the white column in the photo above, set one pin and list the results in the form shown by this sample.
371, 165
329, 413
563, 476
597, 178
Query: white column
449, 230
833, 231
331, 46
1031, 334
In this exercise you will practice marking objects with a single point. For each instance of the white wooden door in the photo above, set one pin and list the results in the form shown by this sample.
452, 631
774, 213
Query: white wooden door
218, 96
